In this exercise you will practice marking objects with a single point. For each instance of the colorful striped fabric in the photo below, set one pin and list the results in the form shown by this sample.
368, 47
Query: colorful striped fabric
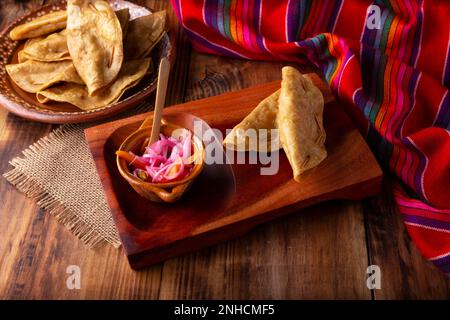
393, 80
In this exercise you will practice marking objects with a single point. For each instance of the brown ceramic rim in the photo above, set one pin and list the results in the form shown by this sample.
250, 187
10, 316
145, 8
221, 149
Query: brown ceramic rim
29, 111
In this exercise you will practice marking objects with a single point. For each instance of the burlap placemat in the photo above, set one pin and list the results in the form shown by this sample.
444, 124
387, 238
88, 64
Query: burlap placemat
59, 172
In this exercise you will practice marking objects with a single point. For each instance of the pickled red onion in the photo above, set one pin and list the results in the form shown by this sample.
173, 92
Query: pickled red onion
168, 159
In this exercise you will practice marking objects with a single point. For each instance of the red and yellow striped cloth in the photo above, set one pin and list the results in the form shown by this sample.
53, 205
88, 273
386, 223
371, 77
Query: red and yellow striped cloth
393, 80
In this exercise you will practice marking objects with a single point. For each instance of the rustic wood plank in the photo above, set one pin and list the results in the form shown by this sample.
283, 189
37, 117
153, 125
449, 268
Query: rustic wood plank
40, 271
297, 257
405, 273
18, 214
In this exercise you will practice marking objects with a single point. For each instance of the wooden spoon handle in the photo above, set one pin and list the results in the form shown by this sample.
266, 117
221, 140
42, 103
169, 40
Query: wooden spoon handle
163, 79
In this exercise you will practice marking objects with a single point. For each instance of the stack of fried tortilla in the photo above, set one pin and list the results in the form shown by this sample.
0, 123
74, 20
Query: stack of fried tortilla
88, 55
296, 110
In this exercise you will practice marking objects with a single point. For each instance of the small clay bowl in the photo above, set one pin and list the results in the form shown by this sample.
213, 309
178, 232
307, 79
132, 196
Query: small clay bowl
159, 192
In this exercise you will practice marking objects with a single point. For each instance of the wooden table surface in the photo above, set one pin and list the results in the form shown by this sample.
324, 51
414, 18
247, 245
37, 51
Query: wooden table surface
319, 253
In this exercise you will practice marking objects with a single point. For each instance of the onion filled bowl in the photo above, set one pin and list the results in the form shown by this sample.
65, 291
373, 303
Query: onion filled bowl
165, 170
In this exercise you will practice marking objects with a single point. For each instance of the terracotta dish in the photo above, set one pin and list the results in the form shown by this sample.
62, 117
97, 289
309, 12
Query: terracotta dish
159, 192
26, 105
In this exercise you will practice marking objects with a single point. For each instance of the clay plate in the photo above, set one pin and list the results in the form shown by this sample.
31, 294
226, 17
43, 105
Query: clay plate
25, 105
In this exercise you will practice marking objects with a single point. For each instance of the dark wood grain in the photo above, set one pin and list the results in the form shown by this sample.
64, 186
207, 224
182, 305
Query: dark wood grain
321, 253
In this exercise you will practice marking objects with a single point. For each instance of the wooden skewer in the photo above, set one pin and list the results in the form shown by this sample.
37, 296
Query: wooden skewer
163, 79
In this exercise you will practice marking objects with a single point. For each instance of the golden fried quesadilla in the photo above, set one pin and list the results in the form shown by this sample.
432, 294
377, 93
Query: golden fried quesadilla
143, 34
32, 41
124, 18
40, 26
296, 110
300, 121
33, 76
48, 49
54, 46
94, 40
21, 55
130, 74
262, 117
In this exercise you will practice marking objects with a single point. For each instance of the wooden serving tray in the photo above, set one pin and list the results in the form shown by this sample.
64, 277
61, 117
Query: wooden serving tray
228, 200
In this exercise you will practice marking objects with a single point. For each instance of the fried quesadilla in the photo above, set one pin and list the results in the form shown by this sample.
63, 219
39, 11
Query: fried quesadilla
296, 110
94, 40
33, 76
300, 121
143, 34
40, 26
262, 117
131, 73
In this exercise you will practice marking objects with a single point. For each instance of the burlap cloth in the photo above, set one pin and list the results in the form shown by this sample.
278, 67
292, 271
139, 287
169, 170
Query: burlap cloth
59, 172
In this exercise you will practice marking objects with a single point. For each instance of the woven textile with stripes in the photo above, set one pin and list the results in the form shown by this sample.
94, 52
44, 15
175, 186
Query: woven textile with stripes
391, 75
